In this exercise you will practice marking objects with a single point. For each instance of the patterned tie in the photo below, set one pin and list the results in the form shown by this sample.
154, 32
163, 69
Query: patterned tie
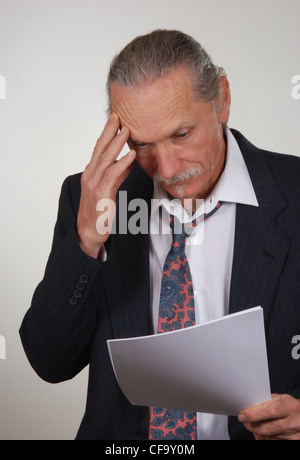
176, 311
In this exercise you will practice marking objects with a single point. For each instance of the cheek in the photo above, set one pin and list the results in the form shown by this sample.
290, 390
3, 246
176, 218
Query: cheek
206, 149
197, 155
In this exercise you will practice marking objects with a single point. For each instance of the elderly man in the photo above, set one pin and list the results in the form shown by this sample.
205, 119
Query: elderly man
171, 104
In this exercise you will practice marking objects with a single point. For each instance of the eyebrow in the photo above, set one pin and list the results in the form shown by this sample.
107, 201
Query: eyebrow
134, 141
130, 139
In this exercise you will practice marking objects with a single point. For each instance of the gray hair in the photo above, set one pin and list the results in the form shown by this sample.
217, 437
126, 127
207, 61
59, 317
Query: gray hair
151, 56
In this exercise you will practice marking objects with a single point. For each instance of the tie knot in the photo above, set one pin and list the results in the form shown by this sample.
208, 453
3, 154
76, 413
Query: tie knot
181, 231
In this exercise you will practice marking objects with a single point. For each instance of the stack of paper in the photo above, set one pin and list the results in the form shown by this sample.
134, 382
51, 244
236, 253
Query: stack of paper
219, 367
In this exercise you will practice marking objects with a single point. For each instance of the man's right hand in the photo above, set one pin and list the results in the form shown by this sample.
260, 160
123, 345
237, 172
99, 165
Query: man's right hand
101, 180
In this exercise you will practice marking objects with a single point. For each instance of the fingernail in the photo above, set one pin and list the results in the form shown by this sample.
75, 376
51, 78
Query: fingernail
124, 130
113, 116
241, 418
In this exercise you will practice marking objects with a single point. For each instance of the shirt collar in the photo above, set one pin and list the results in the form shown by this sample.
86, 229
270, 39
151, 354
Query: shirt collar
234, 186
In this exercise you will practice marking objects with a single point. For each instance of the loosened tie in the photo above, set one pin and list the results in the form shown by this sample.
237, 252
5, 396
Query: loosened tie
176, 311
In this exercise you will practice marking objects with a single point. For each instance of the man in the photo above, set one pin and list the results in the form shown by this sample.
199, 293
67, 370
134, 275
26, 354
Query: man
171, 104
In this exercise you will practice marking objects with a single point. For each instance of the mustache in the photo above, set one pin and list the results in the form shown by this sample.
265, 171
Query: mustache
185, 175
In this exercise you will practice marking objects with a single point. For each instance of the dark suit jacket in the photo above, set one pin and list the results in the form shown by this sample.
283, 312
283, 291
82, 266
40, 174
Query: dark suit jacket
61, 336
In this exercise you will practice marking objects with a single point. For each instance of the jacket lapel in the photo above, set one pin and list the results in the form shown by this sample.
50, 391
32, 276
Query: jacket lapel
260, 247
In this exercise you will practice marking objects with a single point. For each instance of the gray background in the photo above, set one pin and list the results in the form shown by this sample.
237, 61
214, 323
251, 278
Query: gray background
54, 55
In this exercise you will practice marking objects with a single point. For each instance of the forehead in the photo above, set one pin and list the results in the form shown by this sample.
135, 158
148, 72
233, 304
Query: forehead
152, 108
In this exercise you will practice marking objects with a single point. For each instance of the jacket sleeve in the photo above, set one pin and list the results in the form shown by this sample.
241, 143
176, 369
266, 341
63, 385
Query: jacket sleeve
57, 329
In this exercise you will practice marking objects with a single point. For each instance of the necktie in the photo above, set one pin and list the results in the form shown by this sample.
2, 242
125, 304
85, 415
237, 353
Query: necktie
176, 311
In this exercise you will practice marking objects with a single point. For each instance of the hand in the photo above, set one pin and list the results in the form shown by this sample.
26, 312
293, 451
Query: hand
101, 180
276, 419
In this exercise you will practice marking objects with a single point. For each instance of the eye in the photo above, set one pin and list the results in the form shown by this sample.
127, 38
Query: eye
140, 145
181, 135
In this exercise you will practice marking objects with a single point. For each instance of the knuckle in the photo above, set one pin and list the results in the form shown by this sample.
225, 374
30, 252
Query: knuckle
106, 156
87, 185
273, 412
99, 144
90, 187
109, 175
84, 181
86, 174
263, 431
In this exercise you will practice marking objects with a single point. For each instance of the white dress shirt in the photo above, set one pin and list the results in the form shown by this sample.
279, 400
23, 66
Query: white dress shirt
209, 251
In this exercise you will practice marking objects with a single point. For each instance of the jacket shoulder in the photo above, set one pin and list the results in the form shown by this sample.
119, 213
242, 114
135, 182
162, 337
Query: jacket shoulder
283, 166
70, 192
285, 169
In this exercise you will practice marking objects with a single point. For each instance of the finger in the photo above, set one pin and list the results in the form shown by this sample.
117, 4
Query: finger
116, 174
109, 132
269, 410
97, 168
111, 153
272, 429
268, 434
277, 419
125, 172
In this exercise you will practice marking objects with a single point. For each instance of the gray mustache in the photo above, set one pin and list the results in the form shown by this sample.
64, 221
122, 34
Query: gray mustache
188, 174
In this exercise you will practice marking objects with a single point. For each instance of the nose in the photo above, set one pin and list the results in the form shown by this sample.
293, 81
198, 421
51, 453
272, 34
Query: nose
166, 161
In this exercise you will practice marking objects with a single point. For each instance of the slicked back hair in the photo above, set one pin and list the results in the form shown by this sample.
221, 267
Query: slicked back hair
151, 56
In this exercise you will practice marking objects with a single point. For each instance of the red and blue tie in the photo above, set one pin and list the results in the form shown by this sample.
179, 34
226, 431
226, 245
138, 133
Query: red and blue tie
176, 311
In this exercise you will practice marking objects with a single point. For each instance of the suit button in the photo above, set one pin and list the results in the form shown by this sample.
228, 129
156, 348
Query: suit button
77, 293
84, 278
80, 285
73, 300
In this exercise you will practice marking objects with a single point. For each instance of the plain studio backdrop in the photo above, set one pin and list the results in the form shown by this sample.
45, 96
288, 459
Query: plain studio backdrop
54, 58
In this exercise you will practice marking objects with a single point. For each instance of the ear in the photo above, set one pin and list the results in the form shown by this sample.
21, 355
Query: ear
224, 101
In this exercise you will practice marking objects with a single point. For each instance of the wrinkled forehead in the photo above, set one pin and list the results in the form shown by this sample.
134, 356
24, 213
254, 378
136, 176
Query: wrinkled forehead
165, 101
181, 72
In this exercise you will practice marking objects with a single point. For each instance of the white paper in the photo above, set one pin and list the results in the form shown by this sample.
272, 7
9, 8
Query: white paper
219, 367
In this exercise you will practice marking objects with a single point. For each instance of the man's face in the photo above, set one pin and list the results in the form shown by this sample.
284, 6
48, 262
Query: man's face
178, 140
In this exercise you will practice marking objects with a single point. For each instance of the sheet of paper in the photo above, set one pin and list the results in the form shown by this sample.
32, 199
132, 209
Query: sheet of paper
219, 367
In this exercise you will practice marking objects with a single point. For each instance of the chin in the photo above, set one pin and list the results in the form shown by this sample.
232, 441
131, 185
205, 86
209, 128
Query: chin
180, 191
185, 191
